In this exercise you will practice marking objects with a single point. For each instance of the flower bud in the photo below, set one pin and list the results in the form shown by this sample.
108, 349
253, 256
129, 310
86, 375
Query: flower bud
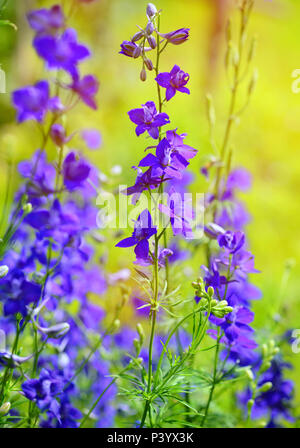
148, 64
149, 28
143, 74
137, 36
27, 208
116, 325
228, 309
140, 331
177, 37
210, 292
151, 41
265, 387
4, 409
249, 374
137, 345
265, 366
250, 403
151, 10
3, 271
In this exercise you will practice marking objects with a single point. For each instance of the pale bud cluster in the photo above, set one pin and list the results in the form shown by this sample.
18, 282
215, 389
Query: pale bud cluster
219, 308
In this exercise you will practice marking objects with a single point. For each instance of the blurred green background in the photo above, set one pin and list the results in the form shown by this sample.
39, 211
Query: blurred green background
266, 141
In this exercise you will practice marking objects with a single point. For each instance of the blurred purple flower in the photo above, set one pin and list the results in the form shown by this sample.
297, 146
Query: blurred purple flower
75, 171
86, 88
32, 102
63, 52
46, 21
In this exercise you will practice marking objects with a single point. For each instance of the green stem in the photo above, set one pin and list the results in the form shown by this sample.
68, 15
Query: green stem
211, 393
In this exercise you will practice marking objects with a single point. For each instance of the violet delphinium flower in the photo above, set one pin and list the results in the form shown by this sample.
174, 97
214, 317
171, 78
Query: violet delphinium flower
63, 52
32, 102
231, 241
176, 142
130, 49
46, 21
143, 230
173, 82
176, 37
147, 119
75, 171
17, 292
86, 88
167, 163
275, 404
144, 181
180, 212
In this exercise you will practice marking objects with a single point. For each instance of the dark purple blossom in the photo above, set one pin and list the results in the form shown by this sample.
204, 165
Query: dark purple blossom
32, 102
87, 88
167, 162
147, 119
17, 292
130, 49
75, 171
177, 37
143, 230
180, 212
46, 21
231, 241
275, 404
174, 81
63, 52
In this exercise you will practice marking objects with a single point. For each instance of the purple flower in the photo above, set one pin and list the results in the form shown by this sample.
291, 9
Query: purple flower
75, 171
166, 162
143, 230
180, 212
92, 138
239, 179
276, 403
86, 88
17, 292
63, 52
143, 182
176, 142
177, 37
32, 102
231, 241
46, 21
147, 119
173, 81
130, 49
58, 135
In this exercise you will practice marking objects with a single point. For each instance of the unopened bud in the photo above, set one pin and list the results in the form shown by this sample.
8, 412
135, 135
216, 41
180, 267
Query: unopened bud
116, 325
151, 10
4, 409
148, 64
252, 50
265, 387
3, 271
149, 28
265, 366
143, 74
211, 291
27, 208
250, 404
249, 374
140, 331
151, 41
137, 36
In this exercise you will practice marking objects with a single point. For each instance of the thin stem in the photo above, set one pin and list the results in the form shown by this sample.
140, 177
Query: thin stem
211, 393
